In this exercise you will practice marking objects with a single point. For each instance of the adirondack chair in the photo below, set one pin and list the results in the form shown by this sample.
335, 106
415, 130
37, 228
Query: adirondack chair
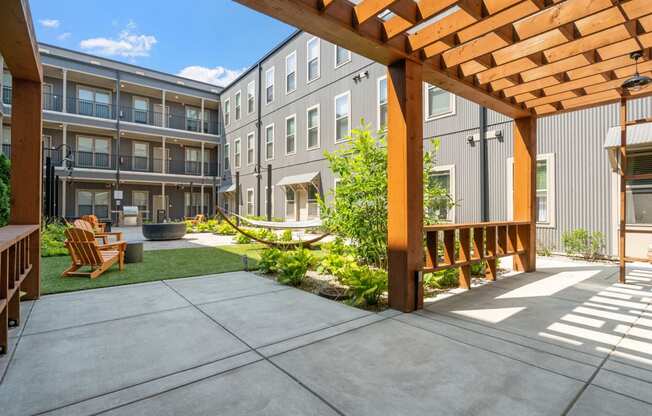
104, 236
92, 219
85, 251
196, 219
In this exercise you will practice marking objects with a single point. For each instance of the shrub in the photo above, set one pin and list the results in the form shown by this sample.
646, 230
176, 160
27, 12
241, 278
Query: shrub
286, 235
581, 242
442, 279
367, 284
242, 239
334, 263
224, 228
293, 266
269, 258
52, 238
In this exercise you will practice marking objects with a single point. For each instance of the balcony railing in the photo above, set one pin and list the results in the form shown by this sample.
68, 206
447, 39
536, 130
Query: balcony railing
171, 120
6, 95
466, 244
90, 108
52, 102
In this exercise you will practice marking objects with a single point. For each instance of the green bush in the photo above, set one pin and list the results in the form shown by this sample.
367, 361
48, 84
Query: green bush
224, 228
293, 266
269, 258
242, 239
334, 263
583, 243
442, 279
286, 235
52, 238
367, 284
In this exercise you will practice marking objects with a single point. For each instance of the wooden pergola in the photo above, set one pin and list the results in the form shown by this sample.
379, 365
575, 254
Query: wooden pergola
521, 58
20, 241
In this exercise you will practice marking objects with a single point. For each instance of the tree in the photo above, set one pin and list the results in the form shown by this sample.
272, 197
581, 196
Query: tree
5, 171
358, 210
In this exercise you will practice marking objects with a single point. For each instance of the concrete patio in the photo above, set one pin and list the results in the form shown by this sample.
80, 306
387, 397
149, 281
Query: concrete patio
567, 339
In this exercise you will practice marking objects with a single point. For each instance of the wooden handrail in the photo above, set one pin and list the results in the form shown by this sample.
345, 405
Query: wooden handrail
471, 243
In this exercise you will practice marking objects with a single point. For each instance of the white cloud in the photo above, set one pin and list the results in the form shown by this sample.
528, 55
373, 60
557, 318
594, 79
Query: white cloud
50, 23
64, 36
217, 76
128, 44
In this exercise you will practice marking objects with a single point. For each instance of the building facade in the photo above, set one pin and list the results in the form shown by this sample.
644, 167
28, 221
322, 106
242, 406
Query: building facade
173, 144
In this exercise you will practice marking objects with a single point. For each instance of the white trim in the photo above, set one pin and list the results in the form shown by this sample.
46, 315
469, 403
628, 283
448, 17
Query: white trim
253, 148
452, 213
335, 57
452, 105
253, 107
227, 157
237, 156
378, 80
227, 103
549, 158
316, 106
273, 85
292, 116
235, 105
294, 54
347, 94
273, 140
308, 80
253, 202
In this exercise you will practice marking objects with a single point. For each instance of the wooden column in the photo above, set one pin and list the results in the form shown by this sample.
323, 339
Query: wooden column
405, 185
26, 190
622, 224
525, 167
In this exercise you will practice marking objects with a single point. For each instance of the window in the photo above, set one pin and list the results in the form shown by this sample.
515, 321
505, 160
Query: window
141, 105
439, 102
93, 102
6, 87
313, 59
193, 118
140, 156
639, 191
269, 142
50, 101
250, 201
342, 116
342, 56
227, 158
251, 96
382, 103
290, 135
227, 112
6, 141
93, 203
193, 161
141, 200
545, 195
269, 86
251, 148
289, 203
312, 116
313, 202
194, 207
291, 72
238, 100
237, 156
93, 152
444, 178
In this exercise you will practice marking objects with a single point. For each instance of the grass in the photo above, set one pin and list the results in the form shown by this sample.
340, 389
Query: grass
156, 265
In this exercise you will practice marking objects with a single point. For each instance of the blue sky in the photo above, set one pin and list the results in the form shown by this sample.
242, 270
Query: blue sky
209, 40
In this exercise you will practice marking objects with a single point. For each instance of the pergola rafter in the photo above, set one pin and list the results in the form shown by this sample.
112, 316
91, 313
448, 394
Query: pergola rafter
521, 58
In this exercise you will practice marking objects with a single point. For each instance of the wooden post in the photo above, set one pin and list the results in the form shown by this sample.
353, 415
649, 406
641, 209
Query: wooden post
465, 255
26, 190
405, 185
525, 166
622, 225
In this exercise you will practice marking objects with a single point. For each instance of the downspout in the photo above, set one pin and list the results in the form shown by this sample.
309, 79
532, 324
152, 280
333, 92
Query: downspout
117, 151
259, 123
484, 167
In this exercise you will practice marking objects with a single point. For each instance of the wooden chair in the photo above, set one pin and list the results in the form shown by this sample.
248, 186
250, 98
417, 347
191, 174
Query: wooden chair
104, 236
85, 251
196, 219
97, 225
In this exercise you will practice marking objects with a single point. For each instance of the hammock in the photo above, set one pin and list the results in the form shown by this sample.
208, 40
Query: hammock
277, 225
285, 225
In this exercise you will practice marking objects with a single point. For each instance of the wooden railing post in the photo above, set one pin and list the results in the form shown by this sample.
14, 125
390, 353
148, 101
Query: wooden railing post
525, 164
490, 272
405, 185
465, 256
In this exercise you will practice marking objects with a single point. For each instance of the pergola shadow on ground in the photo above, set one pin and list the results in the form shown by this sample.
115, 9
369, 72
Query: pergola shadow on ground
568, 339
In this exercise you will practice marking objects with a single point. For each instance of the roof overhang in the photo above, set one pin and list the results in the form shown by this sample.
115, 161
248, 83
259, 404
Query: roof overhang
638, 135
297, 180
227, 189
517, 57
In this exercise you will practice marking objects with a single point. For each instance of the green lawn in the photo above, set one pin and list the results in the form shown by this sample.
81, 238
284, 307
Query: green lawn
157, 265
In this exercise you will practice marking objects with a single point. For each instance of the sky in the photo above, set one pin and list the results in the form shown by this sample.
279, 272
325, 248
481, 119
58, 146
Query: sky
208, 40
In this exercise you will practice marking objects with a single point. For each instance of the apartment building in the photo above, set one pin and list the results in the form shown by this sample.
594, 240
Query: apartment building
134, 136
303, 98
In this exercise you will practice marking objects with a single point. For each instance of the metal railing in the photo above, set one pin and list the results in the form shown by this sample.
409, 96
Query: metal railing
466, 244
90, 108
171, 120
52, 102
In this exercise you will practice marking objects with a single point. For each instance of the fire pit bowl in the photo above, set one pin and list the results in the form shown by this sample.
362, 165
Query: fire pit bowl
164, 231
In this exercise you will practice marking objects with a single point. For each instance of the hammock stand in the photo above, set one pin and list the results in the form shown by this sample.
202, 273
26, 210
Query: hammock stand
285, 245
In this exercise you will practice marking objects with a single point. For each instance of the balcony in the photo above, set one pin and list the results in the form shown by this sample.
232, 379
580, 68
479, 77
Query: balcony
173, 167
90, 108
172, 121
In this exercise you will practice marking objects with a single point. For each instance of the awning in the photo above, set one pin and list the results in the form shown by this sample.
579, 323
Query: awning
637, 134
298, 179
227, 188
